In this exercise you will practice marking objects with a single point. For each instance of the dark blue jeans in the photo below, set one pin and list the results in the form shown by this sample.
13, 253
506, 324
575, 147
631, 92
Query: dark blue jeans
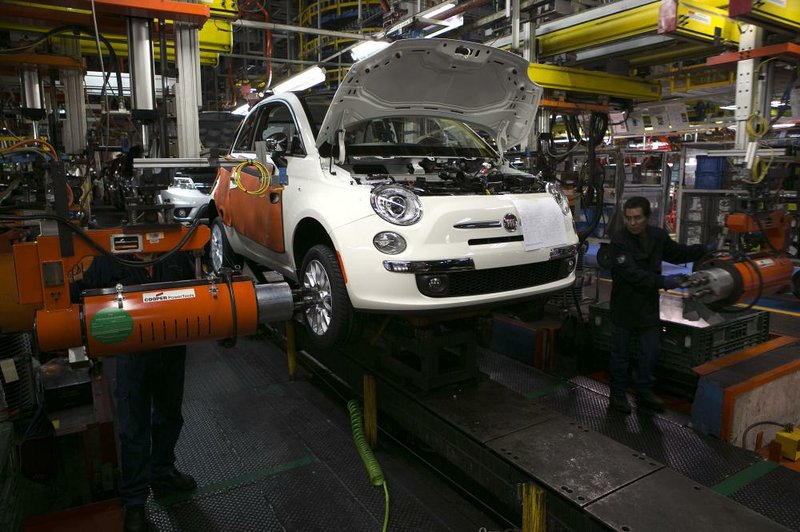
648, 355
148, 396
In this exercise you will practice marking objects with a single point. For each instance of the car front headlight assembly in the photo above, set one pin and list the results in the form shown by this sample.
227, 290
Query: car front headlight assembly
559, 196
396, 204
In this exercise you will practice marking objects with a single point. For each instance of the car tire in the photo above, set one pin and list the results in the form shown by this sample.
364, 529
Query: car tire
330, 321
220, 253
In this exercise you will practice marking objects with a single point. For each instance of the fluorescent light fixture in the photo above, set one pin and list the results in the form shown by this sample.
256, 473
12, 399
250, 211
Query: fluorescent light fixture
365, 49
241, 110
728, 107
784, 125
304, 80
452, 23
438, 10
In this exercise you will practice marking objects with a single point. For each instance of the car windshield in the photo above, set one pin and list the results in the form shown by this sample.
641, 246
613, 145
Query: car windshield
415, 136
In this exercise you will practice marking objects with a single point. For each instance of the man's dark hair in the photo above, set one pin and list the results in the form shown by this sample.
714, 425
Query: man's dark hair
638, 202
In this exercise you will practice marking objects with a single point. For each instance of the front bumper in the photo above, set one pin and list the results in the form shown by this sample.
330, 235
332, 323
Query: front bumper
447, 275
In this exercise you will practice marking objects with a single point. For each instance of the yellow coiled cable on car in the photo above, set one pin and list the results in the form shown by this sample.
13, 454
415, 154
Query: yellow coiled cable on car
265, 178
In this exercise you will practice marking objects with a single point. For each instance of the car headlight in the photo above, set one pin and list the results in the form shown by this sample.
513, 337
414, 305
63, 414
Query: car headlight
396, 204
183, 182
559, 196
389, 242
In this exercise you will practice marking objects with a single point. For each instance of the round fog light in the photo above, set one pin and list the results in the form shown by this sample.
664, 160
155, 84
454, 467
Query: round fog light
434, 284
181, 213
389, 242
571, 265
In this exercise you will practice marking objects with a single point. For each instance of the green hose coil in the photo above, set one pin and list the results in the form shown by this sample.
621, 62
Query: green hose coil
367, 457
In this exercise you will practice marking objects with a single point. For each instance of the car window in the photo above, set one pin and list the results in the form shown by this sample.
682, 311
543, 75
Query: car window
276, 122
315, 106
244, 141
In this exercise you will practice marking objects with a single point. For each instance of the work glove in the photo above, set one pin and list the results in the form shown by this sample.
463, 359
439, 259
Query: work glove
672, 281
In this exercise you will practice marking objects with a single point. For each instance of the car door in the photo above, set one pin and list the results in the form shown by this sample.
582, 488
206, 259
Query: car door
259, 217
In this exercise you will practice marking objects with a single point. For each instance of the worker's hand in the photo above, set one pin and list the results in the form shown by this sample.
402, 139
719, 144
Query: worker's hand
673, 281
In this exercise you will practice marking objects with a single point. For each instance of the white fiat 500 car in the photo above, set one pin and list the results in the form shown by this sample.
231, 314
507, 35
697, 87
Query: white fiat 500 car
387, 199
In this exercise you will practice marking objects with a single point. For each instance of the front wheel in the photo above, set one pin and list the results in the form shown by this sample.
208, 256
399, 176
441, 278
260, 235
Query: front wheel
330, 319
219, 249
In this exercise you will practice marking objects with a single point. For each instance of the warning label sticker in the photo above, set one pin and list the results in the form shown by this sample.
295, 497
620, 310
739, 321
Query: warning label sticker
699, 17
168, 295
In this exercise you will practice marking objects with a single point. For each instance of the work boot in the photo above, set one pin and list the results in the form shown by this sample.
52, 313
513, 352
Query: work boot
620, 404
175, 482
135, 519
650, 400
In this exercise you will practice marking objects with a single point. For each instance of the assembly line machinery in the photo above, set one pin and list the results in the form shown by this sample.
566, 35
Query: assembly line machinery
502, 427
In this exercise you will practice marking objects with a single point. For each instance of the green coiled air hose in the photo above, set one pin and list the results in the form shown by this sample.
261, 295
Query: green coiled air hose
367, 457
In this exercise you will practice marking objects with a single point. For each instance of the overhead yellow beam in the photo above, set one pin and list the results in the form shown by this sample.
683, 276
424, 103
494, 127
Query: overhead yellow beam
778, 16
591, 82
55, 61
696, 20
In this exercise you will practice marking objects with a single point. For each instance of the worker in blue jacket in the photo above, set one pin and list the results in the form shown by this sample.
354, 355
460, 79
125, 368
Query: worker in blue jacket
637, 251
148, 395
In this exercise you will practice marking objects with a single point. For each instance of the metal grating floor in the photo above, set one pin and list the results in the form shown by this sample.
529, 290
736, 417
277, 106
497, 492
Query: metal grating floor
663, 437
271, 454
774, 495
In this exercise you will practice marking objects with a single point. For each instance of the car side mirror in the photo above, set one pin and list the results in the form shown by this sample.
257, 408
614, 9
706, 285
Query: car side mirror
274, 146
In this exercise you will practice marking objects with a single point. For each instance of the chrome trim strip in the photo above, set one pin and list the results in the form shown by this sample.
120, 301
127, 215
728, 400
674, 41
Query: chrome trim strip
429, 266
479, 225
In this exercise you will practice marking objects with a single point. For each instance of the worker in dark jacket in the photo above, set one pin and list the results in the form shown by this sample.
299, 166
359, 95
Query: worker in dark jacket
637, 251
148, 395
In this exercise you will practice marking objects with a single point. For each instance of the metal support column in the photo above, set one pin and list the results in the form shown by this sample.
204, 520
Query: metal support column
74, 132
751, 37
187, 90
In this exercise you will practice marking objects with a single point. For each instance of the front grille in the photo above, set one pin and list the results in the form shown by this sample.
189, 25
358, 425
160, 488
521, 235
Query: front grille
476, 282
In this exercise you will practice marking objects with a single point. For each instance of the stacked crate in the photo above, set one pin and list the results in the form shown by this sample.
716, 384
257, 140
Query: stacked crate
710, 172
685, 346
10, 503
17, 376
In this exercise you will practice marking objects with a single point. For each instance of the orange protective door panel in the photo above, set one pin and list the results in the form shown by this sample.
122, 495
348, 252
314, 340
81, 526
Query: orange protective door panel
257, 217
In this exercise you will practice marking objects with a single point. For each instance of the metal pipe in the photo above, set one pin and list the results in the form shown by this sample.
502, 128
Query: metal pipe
298, 29
287, 61
515, 24
32, 89
140, 55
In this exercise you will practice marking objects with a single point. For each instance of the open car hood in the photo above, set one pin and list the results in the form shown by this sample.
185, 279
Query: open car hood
483, 86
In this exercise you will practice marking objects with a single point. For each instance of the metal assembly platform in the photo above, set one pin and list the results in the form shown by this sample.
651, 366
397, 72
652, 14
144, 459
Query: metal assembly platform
273, 454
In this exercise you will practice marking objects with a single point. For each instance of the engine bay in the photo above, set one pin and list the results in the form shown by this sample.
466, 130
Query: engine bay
444, 176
